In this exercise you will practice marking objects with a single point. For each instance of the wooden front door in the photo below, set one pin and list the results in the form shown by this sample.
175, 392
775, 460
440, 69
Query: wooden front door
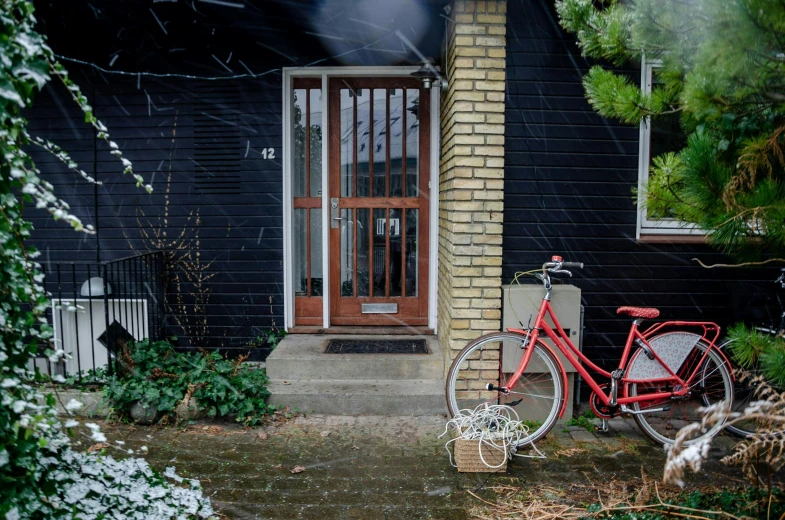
379, 131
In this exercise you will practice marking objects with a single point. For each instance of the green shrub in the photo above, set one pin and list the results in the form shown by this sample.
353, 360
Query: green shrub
584, 420
759, 352
155, 375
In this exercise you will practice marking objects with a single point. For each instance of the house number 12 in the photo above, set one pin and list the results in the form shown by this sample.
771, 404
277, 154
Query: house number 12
268, 153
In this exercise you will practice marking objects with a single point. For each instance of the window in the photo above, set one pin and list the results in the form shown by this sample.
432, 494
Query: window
658, 136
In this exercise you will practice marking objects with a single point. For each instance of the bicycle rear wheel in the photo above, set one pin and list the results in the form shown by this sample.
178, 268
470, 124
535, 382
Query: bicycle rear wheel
492, 359
713, 384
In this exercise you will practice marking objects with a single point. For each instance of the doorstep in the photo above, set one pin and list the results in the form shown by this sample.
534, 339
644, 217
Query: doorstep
303, 377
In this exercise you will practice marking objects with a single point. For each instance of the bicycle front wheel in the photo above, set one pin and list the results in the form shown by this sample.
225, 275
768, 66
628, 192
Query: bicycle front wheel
492, 359
712, 384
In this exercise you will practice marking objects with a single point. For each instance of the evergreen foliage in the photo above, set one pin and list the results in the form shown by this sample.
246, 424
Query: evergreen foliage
759, 353
723, 73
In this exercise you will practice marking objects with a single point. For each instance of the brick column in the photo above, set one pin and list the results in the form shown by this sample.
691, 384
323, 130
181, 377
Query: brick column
471, 179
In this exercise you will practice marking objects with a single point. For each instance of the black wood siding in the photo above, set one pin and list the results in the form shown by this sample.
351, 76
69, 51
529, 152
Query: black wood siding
568, 190
199, 144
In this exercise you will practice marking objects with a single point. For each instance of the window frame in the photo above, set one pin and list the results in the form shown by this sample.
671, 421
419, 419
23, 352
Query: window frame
645, 226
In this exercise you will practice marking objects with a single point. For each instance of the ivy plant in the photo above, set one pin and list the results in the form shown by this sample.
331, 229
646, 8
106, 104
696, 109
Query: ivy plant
154, 375
41, 474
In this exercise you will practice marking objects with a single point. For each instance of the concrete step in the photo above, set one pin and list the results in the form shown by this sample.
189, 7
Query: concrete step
301, 357
353, 397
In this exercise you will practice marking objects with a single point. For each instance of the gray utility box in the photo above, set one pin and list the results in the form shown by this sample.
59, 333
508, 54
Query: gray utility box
523, 301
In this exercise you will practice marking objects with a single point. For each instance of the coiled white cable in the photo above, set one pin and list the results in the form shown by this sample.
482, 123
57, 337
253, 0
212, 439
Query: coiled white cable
493, 426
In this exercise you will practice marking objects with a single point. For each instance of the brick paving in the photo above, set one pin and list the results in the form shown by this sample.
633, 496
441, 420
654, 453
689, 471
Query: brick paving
381, 467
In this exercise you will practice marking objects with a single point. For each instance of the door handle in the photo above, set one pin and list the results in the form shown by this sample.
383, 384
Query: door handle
334, 213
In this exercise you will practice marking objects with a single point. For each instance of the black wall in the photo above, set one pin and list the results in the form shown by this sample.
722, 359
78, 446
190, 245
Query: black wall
198, 142
214, 196
568, 190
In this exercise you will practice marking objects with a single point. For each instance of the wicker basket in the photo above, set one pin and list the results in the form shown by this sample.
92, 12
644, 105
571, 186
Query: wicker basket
467, 457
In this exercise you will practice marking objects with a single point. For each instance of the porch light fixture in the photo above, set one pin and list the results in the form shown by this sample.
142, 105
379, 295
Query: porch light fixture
427, 74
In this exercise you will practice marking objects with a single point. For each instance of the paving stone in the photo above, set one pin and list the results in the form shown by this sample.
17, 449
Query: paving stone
583, 436
382, 467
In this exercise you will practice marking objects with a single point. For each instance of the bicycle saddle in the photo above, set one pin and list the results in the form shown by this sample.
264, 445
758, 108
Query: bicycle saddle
639, 312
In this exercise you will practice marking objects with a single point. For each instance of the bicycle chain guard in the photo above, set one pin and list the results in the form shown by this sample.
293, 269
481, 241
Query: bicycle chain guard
600, 409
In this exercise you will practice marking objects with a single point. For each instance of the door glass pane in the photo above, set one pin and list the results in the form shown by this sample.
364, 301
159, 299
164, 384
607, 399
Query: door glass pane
412, 142
396, 141
412, 232
363, 142
316, 252
300, 253
379, 142
298, 180
379, 252
316, 142
347, 142
347, 253
395, 252
363, 251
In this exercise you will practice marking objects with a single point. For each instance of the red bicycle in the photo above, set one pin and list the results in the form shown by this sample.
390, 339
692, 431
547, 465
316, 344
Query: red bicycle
675, 369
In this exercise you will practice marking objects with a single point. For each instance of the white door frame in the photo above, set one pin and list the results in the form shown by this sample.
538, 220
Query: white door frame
324, 73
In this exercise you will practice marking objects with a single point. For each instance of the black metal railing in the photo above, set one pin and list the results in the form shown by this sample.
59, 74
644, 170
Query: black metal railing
97, 308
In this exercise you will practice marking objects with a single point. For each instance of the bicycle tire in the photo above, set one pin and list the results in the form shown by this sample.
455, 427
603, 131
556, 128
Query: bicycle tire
537, 397
715, 384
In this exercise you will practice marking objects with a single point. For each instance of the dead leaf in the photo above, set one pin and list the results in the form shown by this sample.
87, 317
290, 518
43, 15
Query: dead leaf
298, 469
97, 447
325, 433
262, 435
286, 383
278, 466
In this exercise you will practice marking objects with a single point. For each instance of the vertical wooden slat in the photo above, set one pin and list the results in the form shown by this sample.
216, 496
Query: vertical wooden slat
423, 217
403, 144
308, 145
370, 251
354, 137
334, 136
387, 248
308, 249
403, 252
387, 140
353, 213
371, 145
387, 194
308, 190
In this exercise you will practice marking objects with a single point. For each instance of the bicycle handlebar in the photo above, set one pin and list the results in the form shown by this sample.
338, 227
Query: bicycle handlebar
557, 266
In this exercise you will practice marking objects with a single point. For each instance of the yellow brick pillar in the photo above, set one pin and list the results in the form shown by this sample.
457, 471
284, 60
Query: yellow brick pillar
471, 178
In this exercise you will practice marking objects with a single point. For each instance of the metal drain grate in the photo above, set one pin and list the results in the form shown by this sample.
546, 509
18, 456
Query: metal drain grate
376, 346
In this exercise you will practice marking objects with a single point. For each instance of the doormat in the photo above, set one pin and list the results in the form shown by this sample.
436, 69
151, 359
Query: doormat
376, 346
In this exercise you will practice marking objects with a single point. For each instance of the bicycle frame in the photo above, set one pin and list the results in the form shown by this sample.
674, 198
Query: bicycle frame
577, 359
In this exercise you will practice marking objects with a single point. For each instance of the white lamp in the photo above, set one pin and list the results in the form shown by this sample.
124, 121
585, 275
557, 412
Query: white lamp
95, 287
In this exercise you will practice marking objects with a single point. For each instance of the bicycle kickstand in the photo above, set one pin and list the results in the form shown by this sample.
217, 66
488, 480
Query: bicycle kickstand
603, 427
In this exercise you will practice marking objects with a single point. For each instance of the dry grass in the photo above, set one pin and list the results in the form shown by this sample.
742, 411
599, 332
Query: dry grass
568, 503
764, 449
